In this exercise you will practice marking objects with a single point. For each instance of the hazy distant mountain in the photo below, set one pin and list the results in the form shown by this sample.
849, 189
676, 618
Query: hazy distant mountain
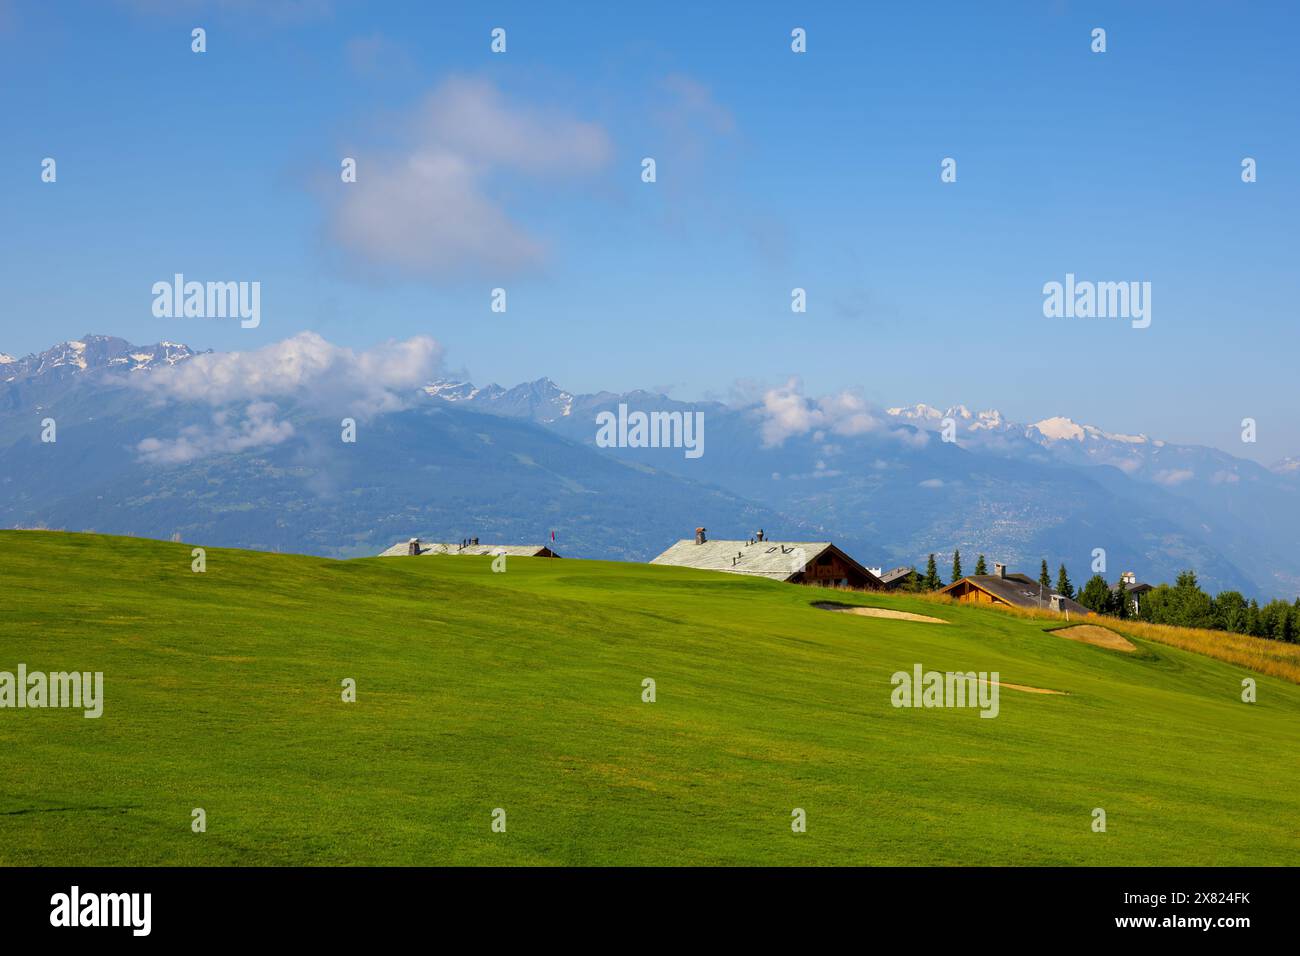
1021, 492
453, 459
431, 469
34, 379
541, 401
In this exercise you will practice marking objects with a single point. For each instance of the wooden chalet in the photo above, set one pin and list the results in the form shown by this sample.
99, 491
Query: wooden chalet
818, 563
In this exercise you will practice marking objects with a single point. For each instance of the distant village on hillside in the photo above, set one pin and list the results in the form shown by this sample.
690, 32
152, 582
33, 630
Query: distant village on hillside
823, 564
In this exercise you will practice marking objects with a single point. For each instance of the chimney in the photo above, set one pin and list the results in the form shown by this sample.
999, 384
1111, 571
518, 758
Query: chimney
699, 536
760, 534
413, 546
1055, 601
474, 542
999, 570
1130, 578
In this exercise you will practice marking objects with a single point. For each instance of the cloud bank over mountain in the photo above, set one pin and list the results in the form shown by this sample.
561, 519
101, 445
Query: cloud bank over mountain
305, 370
431, 208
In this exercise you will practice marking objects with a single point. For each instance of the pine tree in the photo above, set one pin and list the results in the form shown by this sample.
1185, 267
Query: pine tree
1063, 585
956, 566
1095, 595
915, 582
1120, 606
1044, 578
982, 568
1253, 624
932, 580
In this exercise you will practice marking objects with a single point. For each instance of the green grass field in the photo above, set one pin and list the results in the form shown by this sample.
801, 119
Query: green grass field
523, 691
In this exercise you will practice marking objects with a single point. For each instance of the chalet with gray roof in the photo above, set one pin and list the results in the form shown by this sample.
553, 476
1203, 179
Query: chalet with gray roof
894, 578
1135, 589
1010, 590
469, 546
797, 562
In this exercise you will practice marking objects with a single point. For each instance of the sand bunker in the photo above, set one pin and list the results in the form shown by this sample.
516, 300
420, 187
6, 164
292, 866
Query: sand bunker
1028, 690
879, 612
1096, 635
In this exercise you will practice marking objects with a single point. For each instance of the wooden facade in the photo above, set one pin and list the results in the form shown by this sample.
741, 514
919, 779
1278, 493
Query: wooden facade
965, 590
1010, 590
833, 568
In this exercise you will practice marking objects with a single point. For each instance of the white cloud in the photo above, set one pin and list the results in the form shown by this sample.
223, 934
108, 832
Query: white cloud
1173, 476
931, 483
693, 104
306, 367
911, 437
786, 412
427, 209
304, 370
228, 434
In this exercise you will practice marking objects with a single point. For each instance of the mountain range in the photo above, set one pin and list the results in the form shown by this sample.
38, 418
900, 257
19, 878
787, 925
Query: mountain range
448, 459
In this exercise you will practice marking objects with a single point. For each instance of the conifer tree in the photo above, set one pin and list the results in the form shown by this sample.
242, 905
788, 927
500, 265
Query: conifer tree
956, 565
1095, 595
1063, 585
1044, 578
932, 580
982, 568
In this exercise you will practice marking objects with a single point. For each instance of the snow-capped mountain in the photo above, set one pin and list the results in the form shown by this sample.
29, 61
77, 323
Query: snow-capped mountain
1054, 485
1046, 431
93, 353
927, 416
1065, 429
540, 401
461, 391
880, 482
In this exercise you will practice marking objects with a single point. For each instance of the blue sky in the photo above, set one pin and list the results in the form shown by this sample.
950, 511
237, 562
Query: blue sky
775, 170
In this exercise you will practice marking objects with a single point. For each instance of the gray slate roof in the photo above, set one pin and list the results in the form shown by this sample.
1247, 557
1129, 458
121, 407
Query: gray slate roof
887, 577
777, 560
399, 550
1134, 589
1022, 591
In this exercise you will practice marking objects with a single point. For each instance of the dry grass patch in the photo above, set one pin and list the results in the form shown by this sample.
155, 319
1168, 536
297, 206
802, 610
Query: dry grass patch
1029, 690
879, 612
1095, 635
1259, 654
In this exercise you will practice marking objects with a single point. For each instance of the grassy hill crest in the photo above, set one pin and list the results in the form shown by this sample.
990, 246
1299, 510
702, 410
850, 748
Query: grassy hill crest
523, 691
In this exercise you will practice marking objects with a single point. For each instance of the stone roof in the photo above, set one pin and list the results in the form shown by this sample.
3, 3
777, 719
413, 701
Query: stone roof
401, 549
1139, 588
778, 560
888, 577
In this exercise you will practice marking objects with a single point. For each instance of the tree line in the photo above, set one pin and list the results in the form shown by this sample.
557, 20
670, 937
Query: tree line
1182, 604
